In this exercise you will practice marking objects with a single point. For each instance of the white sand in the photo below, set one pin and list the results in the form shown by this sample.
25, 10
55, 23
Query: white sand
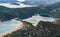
16, 6
35, 19
20, 26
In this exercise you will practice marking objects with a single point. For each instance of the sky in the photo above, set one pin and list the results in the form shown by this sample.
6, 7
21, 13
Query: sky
21, 0
31, 0
10, 1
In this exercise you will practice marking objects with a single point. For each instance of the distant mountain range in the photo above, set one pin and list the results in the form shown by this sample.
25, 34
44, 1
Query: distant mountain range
52, 10
32, 2
16, 5
39, 2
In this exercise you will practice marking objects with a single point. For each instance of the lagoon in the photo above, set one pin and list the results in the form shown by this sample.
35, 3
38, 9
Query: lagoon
8, 26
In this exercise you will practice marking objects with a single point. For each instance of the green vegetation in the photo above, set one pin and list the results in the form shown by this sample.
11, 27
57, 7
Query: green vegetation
9, 13
43, 29
22, 32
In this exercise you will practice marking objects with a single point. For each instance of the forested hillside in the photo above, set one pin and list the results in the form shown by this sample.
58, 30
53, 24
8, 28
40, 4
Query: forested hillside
52, 10
43, 29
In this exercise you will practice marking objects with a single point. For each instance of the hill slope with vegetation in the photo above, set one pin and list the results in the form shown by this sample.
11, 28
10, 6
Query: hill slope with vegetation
52, 10
43, 29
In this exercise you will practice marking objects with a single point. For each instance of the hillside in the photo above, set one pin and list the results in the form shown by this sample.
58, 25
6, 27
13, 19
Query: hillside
52, 10
43, 29
9, 13
39, 2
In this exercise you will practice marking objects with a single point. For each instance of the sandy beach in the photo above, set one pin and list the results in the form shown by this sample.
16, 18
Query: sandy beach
20, 27
16, 6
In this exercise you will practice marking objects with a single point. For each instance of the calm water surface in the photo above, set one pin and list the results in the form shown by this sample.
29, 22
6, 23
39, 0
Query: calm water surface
8, 26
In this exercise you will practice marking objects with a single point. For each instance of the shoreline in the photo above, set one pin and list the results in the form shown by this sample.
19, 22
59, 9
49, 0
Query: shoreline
17, 28
8, 5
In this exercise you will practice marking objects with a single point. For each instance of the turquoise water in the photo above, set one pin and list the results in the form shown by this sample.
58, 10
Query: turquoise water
44, 15
8, 26
37, 18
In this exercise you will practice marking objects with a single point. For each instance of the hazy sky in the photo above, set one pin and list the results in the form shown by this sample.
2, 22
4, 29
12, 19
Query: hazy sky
31, 0
21, 0
11, 0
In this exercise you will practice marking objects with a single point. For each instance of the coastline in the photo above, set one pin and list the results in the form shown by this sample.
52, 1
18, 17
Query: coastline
8, 5
17, 28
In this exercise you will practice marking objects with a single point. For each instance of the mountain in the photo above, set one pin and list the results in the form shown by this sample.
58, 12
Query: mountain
43, 29
39, 2
15, 5
52, 10
34, 2
9, 13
